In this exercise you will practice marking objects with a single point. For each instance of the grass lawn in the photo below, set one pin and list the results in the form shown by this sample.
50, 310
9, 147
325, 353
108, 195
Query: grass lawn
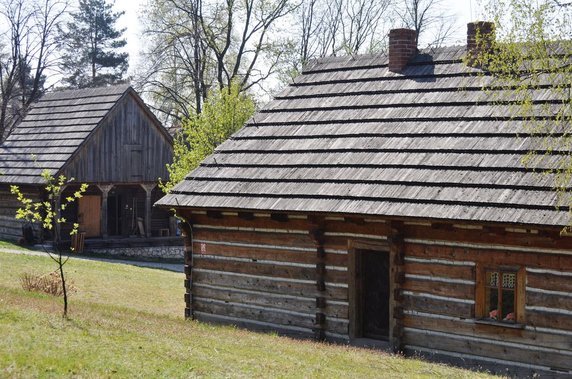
10, 246
127, 321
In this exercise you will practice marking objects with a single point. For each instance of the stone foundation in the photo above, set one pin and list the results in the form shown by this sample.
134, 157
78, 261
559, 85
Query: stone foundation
144, 252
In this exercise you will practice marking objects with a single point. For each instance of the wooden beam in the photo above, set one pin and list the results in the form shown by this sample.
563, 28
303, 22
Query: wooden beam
104, 188
280, 217
214, 214
148, 192
246, 216
317, 235
396, 273
188, 268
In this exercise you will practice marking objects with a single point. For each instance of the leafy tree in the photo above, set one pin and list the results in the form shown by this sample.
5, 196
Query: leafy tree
531, 58
225, 112
91, 43
47, 213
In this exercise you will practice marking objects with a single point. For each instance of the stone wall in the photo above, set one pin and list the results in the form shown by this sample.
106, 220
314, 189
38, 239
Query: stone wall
143, 252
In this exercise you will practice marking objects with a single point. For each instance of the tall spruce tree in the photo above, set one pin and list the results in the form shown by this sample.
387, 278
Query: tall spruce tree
91, 44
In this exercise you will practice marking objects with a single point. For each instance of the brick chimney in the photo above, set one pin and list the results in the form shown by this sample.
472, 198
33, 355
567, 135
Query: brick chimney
402, 48
480, 38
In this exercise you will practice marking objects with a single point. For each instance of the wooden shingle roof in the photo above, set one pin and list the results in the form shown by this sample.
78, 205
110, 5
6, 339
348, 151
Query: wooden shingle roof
52, 131
351, 137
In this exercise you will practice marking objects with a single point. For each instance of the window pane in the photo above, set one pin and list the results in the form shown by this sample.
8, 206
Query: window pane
492, 279
508, 280
508, 305
492, 303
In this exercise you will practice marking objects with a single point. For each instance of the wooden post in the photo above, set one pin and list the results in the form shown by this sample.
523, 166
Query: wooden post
148, 192
317, 235
396, 261
188, 268
104, 188
172, 226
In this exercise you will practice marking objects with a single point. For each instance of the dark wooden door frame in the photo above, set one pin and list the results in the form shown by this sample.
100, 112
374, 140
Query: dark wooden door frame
355, 286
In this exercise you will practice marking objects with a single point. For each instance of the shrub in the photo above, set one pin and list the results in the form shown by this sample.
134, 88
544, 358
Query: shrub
48, 283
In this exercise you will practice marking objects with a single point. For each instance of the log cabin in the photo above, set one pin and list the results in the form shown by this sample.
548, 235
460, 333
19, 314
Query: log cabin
383, 200
105, 137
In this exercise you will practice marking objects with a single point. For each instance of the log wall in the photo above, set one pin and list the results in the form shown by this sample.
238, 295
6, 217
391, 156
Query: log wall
266, 272
10, 228
439, 308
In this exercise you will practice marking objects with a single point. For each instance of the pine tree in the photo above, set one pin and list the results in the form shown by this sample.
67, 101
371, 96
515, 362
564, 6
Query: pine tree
91, 43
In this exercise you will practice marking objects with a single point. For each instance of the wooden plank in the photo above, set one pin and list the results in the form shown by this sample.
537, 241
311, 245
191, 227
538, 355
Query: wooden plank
549, 320
488, 348
270, 239
480, 293
267, 284
254, 325
540, 240
286, 302
548, 300
337, 242
371, 228
454, 290
491, 257
549, 282
251, 313
438, 306
267, 314
494, 332
500, 367
441, 270
354, 294
257, 222
257, 253
521, 296
336, 326
268, 269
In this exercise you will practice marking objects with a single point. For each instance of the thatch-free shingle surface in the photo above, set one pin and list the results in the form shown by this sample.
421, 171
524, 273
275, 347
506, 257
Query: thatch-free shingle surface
53, 130
351, 137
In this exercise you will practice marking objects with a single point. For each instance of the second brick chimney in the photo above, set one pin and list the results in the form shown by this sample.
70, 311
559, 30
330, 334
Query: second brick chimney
480, 38
402, 48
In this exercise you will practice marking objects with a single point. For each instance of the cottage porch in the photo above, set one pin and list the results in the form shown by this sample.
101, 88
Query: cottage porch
115, 212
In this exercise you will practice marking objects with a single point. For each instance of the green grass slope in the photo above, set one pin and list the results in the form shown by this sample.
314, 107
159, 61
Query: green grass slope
127, 321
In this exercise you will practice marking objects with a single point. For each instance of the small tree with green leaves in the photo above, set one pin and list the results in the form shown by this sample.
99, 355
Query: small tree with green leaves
528, 67
224, 112
48, 214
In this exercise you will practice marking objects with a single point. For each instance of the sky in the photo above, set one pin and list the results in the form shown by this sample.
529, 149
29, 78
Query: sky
465, 10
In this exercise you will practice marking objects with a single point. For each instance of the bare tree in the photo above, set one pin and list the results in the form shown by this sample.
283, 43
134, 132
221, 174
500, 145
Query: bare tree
361, 24
29, 51
197, 45
340, 27
428, 15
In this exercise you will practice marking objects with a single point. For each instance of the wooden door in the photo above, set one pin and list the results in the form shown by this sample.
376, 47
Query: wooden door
89, 215
375, 294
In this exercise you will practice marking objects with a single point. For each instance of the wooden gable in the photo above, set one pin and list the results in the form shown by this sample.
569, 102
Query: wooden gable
130, 146
94, 135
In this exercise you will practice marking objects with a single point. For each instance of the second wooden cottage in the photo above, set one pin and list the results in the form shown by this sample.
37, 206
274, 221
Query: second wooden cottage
105, 137
384, 198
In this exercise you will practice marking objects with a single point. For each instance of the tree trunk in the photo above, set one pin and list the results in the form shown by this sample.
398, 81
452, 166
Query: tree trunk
61, 267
